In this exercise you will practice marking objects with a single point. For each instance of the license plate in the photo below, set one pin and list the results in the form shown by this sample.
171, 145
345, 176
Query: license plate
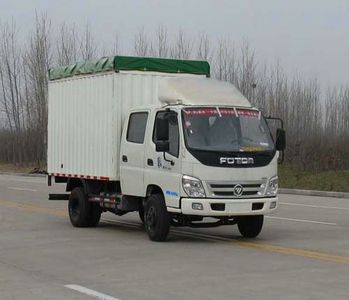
238, 206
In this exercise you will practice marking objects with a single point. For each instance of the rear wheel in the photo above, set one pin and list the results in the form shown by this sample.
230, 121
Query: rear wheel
81, 212
95, 215
157, 219
250, 226
79, 209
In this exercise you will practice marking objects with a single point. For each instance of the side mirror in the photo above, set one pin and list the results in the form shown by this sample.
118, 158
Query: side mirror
162, 128
162, 146
280, 139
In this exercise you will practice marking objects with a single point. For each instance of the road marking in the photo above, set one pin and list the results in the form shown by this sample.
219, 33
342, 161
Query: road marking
89, 292
21, 189
314, 206
252, 245
302, 221
296, 252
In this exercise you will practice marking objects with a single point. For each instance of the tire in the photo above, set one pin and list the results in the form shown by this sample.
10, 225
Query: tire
250, 226
141, 214
81, 212
157, 219
95, 215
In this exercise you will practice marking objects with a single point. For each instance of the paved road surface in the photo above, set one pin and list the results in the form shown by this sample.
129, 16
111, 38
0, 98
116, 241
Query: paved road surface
302, 253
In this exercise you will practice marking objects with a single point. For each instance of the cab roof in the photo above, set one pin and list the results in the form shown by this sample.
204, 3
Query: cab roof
200, 91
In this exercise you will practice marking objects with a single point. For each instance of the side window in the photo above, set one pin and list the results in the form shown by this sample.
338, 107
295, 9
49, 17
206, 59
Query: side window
136, 127
173, 133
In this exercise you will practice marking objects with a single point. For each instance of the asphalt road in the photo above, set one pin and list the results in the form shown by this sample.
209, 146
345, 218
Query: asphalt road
302, 253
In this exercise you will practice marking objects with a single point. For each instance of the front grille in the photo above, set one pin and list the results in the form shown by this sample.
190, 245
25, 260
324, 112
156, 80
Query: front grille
251, 189
247, 185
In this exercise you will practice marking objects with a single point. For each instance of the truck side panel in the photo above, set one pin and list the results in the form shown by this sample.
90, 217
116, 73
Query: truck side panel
86, 117
81, 132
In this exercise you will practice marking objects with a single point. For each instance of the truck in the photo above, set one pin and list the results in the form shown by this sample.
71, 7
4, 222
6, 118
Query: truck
161, 137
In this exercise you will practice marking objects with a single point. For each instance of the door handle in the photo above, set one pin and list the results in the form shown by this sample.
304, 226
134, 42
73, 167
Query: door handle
150, 162
124, 158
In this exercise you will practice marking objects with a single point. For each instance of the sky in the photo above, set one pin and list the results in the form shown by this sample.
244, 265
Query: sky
308, 37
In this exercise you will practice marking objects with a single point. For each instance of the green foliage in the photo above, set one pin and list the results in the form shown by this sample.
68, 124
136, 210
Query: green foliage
308, 180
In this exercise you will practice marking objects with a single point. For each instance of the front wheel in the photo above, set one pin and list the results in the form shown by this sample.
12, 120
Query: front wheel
157, 219
250, 226
141, 214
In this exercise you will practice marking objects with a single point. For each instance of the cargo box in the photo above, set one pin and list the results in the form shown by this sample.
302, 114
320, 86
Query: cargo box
87, 106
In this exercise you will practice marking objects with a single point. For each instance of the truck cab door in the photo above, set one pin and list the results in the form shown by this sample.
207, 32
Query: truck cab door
163, 169
132, 154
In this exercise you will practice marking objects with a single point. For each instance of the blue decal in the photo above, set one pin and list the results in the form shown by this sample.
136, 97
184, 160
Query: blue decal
170, 193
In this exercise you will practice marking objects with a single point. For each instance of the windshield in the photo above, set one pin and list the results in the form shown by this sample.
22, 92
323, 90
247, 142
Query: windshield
226, 129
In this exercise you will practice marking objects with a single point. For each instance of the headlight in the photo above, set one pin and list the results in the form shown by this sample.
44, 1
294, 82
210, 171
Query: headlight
193, 187
272, 187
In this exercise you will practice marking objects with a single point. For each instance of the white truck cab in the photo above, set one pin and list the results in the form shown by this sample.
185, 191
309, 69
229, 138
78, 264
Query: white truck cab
196, 154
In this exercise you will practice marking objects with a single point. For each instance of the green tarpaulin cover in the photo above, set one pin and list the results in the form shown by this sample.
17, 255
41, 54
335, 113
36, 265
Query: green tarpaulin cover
119, 63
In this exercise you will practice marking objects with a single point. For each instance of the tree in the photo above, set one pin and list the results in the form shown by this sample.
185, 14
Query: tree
141, 46
88, 47
67, 45
182, 47
10, 86
204, 51
37, 59
161, 48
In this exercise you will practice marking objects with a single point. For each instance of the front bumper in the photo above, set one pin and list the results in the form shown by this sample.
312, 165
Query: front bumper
228, 207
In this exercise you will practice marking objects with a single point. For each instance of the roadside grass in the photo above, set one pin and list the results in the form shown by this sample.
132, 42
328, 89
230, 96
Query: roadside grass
16, 168
337, 181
